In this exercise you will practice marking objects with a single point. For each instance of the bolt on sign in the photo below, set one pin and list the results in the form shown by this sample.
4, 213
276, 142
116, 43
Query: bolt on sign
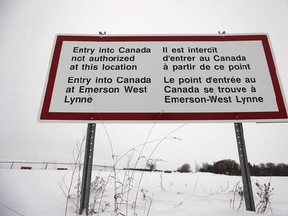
163, 78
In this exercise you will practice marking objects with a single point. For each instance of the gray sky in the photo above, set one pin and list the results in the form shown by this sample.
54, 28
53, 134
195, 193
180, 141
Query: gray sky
27, 32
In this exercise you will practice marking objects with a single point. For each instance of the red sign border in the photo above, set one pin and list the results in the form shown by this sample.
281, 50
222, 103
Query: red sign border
165, 116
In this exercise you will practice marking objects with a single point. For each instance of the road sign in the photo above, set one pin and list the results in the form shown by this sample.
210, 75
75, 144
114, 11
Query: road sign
164, 78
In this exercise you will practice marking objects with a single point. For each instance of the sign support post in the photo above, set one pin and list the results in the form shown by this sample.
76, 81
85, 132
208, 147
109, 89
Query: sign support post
87, 168
247, 186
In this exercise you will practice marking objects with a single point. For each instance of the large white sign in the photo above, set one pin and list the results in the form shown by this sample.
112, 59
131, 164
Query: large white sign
221, 77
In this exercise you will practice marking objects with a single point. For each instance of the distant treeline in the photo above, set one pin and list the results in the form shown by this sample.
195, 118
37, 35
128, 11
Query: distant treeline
231, 167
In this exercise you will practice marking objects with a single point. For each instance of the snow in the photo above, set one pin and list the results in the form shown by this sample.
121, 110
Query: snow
40, 192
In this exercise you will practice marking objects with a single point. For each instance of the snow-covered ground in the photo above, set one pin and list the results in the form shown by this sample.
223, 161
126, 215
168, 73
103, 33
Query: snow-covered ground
40, 192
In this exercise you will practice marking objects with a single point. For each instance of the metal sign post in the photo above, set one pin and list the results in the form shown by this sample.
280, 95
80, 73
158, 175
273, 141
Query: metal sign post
247, 186
87, 168
88, 163
248, 192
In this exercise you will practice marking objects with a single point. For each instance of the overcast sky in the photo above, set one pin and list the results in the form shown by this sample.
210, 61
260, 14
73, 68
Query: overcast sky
27, 32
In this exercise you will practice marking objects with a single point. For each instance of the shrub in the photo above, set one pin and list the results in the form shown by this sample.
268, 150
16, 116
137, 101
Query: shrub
264, 193
185, 168
151, 164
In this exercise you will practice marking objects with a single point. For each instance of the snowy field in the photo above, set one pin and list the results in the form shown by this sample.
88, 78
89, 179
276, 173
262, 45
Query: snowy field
42, 192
